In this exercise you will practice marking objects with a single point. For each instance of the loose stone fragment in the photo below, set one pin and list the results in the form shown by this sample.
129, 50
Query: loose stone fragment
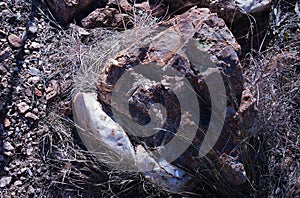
23, 107
7, 146
31, 115
4, 181
15, 41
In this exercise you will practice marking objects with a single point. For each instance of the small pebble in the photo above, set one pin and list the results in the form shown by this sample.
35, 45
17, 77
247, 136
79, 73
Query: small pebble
4, 181
7, 146
15, 41
23, 107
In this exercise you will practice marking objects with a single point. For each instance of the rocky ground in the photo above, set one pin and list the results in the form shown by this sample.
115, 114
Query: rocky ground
40, 152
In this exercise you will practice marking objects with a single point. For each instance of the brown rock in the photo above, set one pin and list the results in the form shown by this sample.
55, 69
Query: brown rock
15, 41
38, 92
199, 45
66, 11
106, 17
247, 110
6, 123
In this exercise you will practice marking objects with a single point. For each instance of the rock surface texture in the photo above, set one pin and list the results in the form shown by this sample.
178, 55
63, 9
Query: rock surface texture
65, 10
106, 17
199, 46
226, 9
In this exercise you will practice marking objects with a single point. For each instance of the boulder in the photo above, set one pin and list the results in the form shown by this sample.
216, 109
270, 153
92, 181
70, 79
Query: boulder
198, 45
174, 96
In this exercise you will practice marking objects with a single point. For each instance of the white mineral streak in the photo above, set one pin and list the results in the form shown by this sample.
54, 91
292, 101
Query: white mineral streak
253, 6
111, 145
161, 172
100, 134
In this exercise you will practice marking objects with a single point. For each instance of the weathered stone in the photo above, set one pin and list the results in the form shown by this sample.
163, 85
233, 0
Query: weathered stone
253, 6
162, 173
31, 190
4, 82
34, 79
247, 109
144, 6
234, 13
66, 11
174, 44
5, 54
15, 41
38, 92
199, 46
34, 71
106, 17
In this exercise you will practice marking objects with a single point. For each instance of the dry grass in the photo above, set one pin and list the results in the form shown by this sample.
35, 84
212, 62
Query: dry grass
274, 77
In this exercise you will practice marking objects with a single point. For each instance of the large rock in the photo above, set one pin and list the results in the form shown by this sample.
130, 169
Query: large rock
183, 73
67, 10
194, 38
